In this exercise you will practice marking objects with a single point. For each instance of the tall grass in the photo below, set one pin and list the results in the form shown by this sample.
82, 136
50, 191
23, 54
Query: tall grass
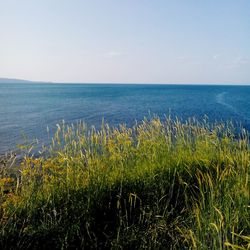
158, 185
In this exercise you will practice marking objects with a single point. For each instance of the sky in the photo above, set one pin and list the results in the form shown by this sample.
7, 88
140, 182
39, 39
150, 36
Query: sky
126, 41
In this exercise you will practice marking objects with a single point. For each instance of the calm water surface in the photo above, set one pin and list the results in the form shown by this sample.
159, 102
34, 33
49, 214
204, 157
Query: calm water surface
27, 109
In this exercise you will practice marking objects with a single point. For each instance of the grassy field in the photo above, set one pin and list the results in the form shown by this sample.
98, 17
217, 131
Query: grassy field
162, 184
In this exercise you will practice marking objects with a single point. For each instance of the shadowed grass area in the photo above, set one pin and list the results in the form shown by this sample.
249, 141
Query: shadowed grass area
158, 185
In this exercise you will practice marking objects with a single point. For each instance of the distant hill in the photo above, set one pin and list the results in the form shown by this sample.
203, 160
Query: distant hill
12, 80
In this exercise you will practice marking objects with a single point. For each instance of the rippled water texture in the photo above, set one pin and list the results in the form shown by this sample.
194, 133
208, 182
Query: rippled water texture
27, 109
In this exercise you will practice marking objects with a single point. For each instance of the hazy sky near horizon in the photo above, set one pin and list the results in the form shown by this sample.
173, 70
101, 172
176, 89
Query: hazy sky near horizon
142, 41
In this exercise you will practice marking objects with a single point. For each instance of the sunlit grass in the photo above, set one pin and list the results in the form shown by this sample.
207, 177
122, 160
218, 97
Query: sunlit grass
158, 185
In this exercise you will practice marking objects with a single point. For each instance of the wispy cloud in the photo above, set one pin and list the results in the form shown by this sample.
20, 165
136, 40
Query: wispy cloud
111, 54
216, 56
181, 59
240, 61
236, 62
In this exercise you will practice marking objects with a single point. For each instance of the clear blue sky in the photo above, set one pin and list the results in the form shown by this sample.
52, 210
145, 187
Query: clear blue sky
147, 41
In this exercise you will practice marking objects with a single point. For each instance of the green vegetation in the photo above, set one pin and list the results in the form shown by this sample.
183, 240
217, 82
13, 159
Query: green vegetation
159, 185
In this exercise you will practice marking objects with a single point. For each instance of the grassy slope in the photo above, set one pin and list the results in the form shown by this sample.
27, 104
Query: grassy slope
158, 185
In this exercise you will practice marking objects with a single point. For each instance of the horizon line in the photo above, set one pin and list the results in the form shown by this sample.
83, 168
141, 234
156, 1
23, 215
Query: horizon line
16, 80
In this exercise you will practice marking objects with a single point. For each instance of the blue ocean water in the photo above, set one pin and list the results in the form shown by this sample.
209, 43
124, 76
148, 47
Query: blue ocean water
27, 109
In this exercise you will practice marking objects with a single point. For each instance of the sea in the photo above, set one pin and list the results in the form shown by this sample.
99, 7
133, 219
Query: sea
27, 111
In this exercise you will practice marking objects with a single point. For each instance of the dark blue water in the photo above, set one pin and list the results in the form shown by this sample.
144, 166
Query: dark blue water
27, 109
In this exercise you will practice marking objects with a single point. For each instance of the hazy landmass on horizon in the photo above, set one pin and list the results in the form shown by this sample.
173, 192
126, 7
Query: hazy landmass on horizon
13, 80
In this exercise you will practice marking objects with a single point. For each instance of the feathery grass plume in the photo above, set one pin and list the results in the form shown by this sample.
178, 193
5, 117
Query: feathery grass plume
161, 184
